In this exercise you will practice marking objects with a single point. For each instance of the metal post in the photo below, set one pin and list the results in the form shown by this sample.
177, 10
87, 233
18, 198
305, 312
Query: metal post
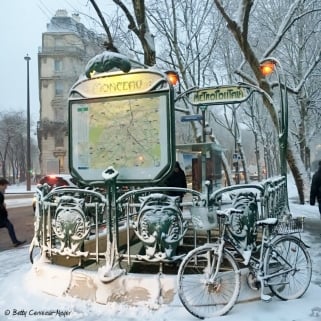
236, 161
203, 109
203, 125
27, 58
283, 138
283, 119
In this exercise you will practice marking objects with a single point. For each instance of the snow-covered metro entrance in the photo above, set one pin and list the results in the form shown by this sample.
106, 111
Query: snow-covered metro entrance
120, 236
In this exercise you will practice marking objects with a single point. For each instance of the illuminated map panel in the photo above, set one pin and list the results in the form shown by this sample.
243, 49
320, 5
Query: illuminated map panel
129, 133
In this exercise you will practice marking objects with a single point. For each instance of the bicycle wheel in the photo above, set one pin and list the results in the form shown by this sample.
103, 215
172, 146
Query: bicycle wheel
34, 252
288, 265
201, 294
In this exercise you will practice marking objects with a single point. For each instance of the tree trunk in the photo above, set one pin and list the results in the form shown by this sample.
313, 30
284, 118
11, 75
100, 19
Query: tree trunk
301, 182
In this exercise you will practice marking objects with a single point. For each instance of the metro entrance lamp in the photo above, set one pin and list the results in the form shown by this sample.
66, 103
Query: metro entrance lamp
268, 66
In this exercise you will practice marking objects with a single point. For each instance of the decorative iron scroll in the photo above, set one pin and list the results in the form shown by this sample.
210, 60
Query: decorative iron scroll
160, 226
70, 224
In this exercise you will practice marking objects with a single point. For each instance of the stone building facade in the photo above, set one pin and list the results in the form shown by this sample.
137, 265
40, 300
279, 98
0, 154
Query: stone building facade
67, 45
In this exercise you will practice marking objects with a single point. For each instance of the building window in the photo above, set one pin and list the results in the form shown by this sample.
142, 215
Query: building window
59, 88
60, 115
59, 140
59, 44
58, 65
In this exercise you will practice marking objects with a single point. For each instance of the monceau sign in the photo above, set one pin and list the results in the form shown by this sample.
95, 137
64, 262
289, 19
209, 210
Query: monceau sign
217, 95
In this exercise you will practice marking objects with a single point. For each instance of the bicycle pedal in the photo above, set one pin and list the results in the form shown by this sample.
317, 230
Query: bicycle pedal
252, 282
246, 256
266, 297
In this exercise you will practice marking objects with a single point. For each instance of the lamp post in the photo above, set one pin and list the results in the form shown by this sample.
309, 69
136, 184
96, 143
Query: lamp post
27, 58
268, 66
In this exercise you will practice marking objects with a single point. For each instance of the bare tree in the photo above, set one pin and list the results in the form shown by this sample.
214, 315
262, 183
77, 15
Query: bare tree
201, 48
239, 27
13, 138
138, 24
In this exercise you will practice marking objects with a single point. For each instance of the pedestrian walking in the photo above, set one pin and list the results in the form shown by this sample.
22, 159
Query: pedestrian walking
4, 221
177, 179
315, 192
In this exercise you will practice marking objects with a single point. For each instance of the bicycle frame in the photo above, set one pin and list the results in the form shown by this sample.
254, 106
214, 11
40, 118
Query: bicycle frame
219, 251
255, 265
209, 277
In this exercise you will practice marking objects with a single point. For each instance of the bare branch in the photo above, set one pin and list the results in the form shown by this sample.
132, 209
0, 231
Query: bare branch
109, 45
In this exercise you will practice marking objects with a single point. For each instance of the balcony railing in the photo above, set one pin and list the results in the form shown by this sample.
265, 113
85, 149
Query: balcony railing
61, 49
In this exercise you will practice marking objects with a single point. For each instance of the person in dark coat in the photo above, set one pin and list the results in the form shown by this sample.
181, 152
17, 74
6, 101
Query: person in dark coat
4, 221
315, 192
177, 179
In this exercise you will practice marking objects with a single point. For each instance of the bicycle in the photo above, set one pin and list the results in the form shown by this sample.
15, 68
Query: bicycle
209, 277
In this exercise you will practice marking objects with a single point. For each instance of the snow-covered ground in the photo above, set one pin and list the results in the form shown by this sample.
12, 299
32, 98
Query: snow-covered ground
20, 299
21, 188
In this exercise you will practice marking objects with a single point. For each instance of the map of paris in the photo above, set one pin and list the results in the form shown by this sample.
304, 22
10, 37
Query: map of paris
123, 132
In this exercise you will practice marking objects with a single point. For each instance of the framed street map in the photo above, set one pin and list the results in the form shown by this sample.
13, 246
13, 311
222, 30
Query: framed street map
132, 133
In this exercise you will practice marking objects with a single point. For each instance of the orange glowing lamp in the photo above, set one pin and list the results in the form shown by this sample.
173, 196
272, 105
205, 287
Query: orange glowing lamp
172, 77
267, 67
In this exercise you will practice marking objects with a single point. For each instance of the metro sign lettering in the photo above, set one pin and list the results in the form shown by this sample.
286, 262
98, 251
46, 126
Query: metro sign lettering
217, 95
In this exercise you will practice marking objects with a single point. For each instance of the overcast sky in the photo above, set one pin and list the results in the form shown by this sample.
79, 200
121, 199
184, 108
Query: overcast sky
21, 25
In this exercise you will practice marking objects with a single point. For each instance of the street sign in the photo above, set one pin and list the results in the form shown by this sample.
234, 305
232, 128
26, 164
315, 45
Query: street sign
191, 117
217, 95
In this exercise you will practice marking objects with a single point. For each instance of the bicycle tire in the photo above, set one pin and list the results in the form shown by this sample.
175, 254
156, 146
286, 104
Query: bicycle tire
35, 249
200, 297
283, 254
34, 252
